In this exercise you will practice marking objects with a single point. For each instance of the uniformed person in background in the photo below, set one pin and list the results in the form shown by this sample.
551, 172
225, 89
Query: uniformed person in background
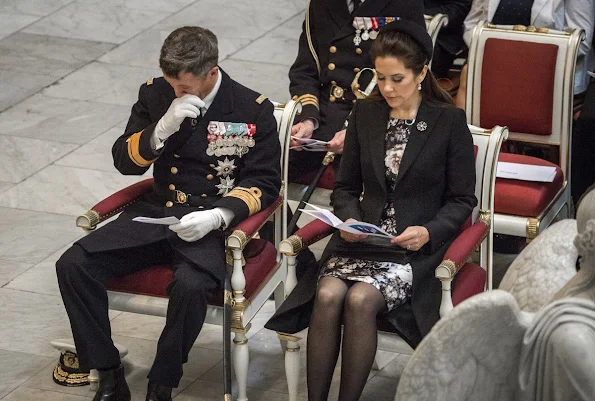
333, 47
215, 153
450, 39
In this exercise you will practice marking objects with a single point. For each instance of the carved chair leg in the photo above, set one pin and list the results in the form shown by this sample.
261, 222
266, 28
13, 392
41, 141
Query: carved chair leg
94, 380
241, 359
292, 364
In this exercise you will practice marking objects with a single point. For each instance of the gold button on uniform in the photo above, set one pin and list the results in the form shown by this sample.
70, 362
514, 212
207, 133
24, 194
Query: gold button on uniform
356, 70
169, 204
358, 50
211, 165
210, 177
174, 170
331, 66
172, 187
203, 195
176, 156
333, 49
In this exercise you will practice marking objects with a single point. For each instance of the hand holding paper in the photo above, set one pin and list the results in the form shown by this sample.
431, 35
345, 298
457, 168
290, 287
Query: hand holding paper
353, 227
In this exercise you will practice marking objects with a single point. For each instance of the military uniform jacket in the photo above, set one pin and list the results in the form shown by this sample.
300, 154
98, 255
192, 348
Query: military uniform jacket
186, 177
332, 32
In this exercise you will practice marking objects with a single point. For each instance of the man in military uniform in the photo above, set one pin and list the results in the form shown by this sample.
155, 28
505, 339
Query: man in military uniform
334, 46
215, 152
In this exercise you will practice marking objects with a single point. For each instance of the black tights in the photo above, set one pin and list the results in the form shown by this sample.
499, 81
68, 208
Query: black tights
357, 305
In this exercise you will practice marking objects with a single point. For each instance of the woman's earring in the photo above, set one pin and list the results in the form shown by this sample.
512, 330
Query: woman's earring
419, 87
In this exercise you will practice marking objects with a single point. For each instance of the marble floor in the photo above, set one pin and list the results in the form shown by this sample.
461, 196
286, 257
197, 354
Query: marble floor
69, 72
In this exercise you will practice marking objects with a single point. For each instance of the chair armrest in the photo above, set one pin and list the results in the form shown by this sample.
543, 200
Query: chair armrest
460, 250
304, 237
244, 231
113, 204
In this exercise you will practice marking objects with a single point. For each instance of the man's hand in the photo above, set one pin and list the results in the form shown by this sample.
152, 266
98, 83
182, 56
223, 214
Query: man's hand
187, 106
303, 129
413, 238
196, 225
349, 237
335, 145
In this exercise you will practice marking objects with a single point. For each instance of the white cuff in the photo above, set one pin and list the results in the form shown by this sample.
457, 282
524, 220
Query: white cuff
226, 216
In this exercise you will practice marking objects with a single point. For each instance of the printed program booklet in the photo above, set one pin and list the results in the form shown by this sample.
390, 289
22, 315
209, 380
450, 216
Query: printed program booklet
354, 227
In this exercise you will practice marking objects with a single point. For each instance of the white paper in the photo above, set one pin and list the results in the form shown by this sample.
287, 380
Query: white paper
526, 172
167, 221
354, 227
309, 144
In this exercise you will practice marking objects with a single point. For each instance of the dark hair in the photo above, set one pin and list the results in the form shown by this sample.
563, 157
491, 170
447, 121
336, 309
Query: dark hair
403, 47
189, 49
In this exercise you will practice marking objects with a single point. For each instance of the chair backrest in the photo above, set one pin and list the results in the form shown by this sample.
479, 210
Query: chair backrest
433, 25
487, 147
285, 114
524, 78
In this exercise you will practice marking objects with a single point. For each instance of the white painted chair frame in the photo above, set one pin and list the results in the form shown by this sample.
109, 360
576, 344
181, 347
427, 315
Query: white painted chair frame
568, 45
434, 23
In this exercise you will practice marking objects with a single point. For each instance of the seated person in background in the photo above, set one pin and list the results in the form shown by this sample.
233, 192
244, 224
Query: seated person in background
450, 39
412, 152
333, 47
171, 127
561, 15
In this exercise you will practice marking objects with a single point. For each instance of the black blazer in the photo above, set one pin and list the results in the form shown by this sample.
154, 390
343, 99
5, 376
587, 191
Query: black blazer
435, 188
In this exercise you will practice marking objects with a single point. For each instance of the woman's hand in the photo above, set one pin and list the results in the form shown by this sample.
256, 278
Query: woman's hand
413, 238
349, 237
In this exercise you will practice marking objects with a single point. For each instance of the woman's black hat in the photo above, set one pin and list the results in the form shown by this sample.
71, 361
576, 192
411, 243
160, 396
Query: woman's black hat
416, 31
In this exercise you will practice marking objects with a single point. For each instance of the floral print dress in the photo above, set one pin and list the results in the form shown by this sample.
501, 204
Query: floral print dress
393, 280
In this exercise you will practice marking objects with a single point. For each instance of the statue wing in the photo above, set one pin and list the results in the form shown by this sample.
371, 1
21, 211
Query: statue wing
543, 267
471, 354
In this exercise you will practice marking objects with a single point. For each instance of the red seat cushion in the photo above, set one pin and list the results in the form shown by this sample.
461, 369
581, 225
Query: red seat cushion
327, 181
469, 281
525, 198
154, 280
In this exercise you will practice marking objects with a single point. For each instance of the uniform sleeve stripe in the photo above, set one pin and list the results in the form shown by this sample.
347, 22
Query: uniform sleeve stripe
134, 153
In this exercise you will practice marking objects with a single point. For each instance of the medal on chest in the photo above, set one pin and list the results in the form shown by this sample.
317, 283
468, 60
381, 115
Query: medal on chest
228, 139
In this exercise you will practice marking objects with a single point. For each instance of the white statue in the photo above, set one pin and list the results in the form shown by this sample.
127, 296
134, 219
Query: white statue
543, 267
488, 349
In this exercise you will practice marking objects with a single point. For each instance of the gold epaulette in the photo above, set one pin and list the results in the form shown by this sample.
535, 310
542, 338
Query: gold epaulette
250, 196
150, 81
261, 99
307, 99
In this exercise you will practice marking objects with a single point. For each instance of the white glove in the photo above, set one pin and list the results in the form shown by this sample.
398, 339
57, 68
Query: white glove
196, 225
179, 109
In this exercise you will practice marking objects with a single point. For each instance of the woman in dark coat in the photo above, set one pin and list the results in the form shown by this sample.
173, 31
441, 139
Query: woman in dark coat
410, 153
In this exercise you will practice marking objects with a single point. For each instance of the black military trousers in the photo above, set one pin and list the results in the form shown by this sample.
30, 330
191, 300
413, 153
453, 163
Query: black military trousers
81, 277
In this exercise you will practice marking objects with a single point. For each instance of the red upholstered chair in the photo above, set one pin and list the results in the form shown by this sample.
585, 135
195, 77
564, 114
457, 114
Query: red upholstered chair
524, 78
471, 277
258, 272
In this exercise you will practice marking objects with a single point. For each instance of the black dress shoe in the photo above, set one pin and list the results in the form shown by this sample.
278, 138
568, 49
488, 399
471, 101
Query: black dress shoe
158, 392
112, 386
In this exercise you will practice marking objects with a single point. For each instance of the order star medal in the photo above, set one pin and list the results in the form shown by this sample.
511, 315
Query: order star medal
225, 167
225, 185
